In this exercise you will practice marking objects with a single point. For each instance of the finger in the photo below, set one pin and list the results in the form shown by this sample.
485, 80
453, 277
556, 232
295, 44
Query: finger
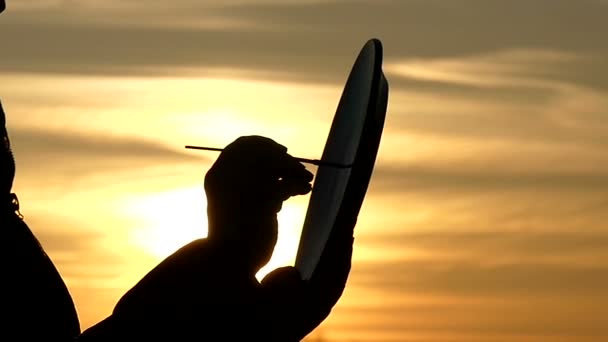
284, 276
292, 168
300, 188
288, 189
261, 145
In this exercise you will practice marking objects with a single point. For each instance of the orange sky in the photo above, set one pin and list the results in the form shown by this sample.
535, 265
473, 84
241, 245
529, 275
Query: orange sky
486, 216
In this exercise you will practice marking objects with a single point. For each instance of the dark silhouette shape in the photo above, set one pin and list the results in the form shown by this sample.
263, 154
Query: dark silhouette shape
35, 302
207, 290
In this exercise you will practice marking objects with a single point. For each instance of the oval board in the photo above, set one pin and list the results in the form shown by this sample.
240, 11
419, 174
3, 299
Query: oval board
354, 139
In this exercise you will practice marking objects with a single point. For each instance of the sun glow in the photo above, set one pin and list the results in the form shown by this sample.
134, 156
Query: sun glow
291, 219
166, 221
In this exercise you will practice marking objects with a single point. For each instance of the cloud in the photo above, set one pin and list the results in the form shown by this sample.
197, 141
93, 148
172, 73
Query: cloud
518, 96
500, 246
75, 248
66, 157
42, 143
467, 278
425, 178
494, 266
523, 68
501, 320
303, 40
434, 300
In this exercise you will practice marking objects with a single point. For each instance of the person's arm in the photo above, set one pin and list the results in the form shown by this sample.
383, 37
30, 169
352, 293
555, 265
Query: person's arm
329, 278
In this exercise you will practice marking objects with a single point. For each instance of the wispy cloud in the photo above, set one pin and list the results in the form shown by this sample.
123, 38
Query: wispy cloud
71, 158
453, 177
300, 38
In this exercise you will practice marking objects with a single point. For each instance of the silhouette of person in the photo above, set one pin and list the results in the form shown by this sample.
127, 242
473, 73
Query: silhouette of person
208, 291
35, 302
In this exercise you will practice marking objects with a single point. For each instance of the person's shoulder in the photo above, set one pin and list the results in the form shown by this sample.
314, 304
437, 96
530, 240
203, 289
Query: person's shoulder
192, 252
174, 272
195, 245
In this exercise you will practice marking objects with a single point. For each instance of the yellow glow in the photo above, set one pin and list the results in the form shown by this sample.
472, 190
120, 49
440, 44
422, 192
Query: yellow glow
221, 125
291, 219
181, 110
166, 221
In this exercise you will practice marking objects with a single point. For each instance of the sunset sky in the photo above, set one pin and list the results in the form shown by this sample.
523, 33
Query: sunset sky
486, 217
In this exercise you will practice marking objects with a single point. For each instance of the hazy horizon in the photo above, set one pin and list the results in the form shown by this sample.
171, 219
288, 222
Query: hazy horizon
486, 215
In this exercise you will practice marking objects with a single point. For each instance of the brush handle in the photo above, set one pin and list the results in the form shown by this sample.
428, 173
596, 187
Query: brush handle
302, 160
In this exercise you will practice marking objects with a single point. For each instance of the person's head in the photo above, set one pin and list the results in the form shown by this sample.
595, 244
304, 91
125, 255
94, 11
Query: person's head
245, 189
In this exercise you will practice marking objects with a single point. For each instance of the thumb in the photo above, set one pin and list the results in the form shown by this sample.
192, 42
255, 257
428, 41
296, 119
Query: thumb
283, 278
